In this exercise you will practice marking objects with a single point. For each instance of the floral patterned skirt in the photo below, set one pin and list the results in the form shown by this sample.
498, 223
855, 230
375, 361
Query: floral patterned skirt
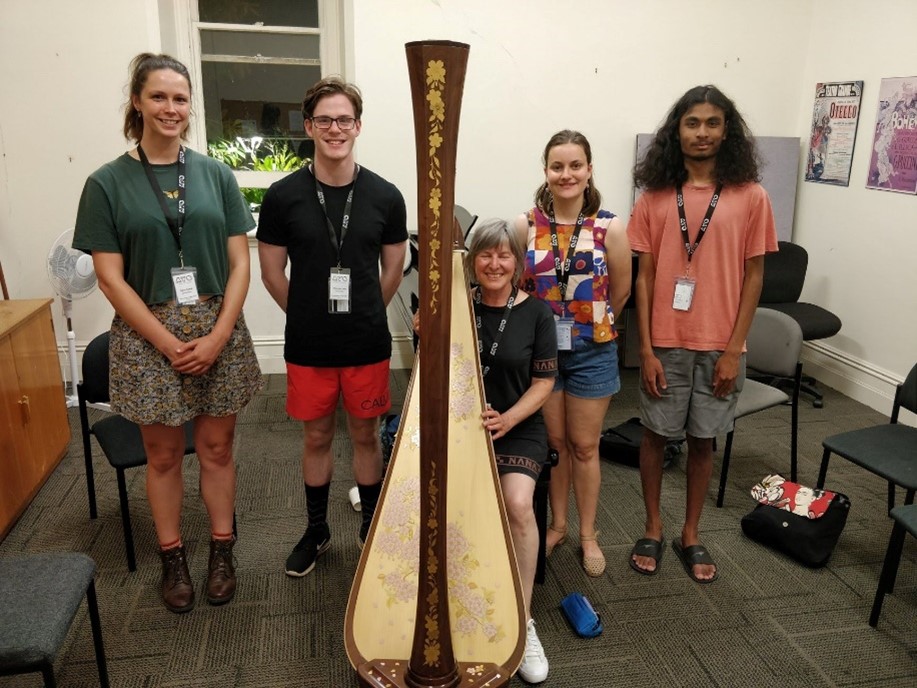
145, 388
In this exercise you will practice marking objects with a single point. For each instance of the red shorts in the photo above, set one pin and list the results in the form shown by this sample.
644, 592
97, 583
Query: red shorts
313, 393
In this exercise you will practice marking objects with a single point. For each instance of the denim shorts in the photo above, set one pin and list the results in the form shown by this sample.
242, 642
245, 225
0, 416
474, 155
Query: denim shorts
589, 371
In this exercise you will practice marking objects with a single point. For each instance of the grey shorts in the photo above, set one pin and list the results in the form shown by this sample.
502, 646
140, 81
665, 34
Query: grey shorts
687, 404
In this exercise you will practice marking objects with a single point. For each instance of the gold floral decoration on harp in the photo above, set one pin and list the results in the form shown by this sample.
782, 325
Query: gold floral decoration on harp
436, 81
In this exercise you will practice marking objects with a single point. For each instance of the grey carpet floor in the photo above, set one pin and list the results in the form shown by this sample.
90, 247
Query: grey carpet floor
766, 621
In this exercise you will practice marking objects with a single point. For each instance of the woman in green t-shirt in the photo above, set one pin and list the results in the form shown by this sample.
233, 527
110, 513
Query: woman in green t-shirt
167, 231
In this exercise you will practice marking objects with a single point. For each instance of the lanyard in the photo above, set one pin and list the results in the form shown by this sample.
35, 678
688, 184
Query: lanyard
345, 222
562, 270
492, 353
680, 200
175, 224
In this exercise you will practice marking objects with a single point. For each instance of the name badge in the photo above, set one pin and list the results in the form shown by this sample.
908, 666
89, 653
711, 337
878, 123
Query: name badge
684, 294
184, 286
564, 335
339, 290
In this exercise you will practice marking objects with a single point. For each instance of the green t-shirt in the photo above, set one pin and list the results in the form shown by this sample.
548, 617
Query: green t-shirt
119, 213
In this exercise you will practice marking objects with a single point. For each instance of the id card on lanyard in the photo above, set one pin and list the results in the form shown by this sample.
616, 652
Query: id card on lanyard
184, 277
564, 324
685, 286
340, 287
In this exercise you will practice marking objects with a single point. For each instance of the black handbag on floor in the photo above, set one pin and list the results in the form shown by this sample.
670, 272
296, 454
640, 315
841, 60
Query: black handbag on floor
810, 538
621, 444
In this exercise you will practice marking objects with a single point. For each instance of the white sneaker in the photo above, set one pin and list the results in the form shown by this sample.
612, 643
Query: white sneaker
534, 667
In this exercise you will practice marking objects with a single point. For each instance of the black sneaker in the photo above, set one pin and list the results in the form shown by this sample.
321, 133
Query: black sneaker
314, 543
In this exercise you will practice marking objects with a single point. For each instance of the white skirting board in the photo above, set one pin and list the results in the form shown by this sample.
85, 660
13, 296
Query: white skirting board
853, 377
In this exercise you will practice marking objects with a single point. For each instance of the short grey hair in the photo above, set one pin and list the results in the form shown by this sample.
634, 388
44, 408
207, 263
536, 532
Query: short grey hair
494, 233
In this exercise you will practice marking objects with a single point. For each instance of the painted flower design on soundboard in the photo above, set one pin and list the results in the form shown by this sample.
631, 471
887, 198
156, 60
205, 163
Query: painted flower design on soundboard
398, 539
461, 384
472, 606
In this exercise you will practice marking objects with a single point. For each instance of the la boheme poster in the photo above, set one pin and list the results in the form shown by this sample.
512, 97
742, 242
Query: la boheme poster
893, 163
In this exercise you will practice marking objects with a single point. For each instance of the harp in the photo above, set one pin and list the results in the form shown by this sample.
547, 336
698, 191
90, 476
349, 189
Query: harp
437, 599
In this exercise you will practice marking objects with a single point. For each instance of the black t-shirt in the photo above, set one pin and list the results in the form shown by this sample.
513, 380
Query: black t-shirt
292, 217
527, 349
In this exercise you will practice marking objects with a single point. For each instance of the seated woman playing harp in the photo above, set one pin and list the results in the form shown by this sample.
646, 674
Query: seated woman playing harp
517, 341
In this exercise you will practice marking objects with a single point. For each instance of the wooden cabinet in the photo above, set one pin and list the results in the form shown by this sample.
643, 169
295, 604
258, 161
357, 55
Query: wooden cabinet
34, 429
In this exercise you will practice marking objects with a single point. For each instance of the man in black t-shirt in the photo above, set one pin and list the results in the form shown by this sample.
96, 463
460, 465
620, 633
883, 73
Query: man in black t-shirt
336, 223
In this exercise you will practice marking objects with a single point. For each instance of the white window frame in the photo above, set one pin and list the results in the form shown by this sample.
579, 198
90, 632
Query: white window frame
187, 44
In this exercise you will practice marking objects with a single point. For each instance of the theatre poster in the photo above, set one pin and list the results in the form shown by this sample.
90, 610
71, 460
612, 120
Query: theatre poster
834, 128
893, 163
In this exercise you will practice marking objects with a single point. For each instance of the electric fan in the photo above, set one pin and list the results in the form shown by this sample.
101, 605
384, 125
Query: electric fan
72, 277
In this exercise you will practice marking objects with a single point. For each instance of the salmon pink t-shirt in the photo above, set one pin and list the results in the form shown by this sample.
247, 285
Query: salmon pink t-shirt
742, 227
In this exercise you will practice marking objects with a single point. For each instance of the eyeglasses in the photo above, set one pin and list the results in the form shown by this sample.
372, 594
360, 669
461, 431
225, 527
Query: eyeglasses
344, 123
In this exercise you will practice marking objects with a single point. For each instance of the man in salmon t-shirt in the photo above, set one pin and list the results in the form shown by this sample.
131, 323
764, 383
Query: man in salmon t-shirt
701, 227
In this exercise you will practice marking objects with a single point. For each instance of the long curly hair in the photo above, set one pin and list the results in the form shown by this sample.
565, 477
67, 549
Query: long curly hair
663, 164
592, 199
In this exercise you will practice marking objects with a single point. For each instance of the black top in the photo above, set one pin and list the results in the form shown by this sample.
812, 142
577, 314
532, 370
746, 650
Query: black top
528, 349
292, 217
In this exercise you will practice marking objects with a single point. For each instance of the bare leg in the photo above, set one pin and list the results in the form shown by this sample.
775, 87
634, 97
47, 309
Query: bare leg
559, 487
584, 428
165, 447
700, 466
652, 454
213, 439
518, 491
317, 460
367, 449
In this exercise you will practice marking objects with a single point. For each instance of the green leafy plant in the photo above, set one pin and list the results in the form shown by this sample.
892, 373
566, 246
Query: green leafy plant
256, 154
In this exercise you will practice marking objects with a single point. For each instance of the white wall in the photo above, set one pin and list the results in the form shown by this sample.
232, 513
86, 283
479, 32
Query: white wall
62, 69
862, 243
610, 68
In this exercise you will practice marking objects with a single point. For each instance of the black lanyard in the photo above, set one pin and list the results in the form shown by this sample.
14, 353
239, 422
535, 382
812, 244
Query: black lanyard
345, 222
175, 224
680, 201
562, 270
492, 353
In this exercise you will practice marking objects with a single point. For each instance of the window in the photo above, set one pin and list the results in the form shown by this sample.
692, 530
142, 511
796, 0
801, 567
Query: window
252, 61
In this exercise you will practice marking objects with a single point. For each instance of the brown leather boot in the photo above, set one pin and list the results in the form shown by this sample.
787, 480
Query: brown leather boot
177, 590
221, 577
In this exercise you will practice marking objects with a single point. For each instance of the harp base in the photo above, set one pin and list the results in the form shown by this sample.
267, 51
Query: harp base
391, 673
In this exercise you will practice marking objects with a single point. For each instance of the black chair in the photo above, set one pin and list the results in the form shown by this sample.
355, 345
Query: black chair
119, 438
39, 597
465, 219
905, 521
889, 450
774, 342
784, 276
